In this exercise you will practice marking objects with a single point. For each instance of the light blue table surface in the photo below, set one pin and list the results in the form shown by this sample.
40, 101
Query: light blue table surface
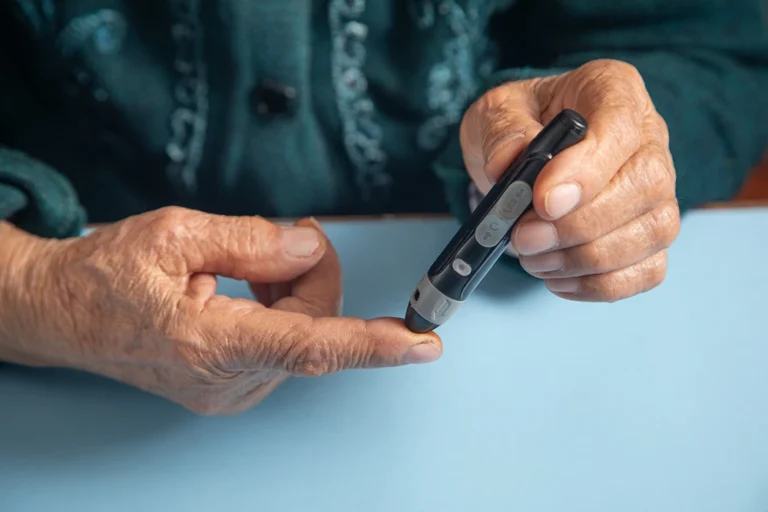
658, 403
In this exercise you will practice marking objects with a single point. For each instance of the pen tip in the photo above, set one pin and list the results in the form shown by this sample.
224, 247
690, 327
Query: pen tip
417, 323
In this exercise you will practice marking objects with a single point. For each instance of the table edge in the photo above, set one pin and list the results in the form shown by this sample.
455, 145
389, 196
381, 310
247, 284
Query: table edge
725, 205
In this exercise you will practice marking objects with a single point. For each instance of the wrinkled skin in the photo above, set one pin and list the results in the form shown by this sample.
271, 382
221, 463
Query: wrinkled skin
136, 302
602, 236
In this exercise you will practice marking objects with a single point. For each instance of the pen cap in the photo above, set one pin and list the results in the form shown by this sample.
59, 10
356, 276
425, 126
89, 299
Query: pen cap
565, 130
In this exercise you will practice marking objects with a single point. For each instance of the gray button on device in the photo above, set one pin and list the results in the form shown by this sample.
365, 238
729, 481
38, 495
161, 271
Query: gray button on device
491, 230
514, 201
461, 267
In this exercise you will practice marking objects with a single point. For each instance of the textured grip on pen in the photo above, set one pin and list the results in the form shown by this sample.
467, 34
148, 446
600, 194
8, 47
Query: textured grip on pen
431, 303
474, 196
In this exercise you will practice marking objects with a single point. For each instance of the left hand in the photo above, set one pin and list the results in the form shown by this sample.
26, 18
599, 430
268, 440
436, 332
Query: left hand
605, 210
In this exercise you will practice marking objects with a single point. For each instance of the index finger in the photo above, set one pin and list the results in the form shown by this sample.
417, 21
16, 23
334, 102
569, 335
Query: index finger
260, 338
614, 108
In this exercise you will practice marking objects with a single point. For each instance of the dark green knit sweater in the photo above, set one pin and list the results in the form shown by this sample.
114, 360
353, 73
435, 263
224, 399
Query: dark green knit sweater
293, 107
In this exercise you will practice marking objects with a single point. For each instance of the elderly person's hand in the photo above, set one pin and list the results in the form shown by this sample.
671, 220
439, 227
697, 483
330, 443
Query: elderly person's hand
605, 210
136, 301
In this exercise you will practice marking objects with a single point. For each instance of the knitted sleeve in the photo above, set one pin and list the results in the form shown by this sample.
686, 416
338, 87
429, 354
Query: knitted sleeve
36, 198
33, 195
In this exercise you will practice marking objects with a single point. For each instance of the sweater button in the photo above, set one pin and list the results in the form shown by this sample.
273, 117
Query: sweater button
271, 98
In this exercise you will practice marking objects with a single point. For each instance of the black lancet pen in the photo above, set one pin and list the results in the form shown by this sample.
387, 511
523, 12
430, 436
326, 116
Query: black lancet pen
481, 241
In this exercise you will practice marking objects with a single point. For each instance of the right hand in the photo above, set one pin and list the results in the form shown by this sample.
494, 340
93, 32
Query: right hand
136, 301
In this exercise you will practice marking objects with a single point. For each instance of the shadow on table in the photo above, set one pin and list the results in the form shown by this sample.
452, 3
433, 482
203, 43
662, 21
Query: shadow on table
58, 414
378, 279
54, 415
507, 284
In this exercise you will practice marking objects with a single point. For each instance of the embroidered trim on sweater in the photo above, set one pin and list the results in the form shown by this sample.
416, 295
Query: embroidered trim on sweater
104, 29
455, 80
363, 137
189, 120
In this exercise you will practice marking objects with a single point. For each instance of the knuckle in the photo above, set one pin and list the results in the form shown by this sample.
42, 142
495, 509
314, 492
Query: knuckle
493, 130
660, 129
255, 236
628, 132
311, 360
656, 163
170, 216
650, 174
264, 234
666, 221
595, 257
499, 120
616, 70
654, 271
617, 88
631, 133
612, 288
206, 362
489, 104
664, 171
493, 100
660, 227
626, 70
476, 111
583, 225
169, 227
639, 278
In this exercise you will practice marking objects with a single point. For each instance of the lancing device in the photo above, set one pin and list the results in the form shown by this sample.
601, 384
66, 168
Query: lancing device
481, 241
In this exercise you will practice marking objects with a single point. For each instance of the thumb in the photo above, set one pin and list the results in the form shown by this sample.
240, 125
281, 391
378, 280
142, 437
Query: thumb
497, 128
244, 248
261, 338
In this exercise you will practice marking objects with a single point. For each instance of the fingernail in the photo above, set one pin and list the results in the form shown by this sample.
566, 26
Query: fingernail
548, 262
562, 199
535, 237
570, 285
300, 242
422, 354
317, 224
